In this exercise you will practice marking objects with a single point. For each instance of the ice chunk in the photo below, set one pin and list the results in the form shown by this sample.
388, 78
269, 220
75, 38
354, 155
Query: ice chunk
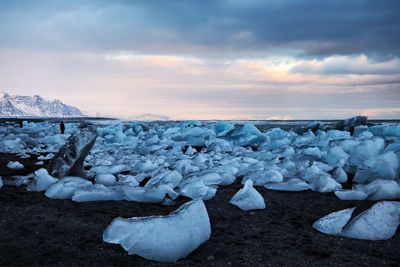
385, 166
41, 181
386, 130
148, 194
339, 175
144, 166
1, 182
127, 180
383, 189
262, 177
65, 188
162, 238
324, 184
336, 156
294, 184
365, 150
222, 128
15, 165
248, 198
332, 224
105, 179
247, 135
379, 222
97, 192
351, 194
201, 186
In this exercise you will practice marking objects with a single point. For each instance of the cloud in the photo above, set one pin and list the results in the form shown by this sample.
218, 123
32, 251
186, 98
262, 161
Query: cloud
355, 65
208, 27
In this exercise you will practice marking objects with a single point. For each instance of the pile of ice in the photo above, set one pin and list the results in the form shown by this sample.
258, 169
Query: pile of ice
162, 238
207, 155
34, 137
380, 222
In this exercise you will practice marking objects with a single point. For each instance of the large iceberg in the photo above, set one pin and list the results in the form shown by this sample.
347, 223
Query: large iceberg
162, 238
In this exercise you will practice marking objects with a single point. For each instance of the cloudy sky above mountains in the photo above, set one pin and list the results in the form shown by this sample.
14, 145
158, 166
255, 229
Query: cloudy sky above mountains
226, 59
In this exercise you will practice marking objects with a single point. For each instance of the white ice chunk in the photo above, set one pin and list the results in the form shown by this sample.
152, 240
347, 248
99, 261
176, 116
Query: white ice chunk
127, 180
144, 166
385, 166
162, 238
382, 189
202, 186
105, 179
41, 181
65, 188
351, 194
15, 165
97, 192
248, 198
339, 175
365, 150
262, 177
294, 184
222, 128
379, 222
332, 224
148, 194
324, 184
336, 156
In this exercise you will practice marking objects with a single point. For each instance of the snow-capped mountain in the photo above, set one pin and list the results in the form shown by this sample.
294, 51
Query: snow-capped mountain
35, 106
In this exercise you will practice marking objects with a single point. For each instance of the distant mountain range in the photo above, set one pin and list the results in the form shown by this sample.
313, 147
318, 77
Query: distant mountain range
151, 117
35, 106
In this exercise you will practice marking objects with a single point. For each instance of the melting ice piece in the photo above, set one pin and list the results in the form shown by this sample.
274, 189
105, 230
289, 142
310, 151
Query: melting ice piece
97, 192
332, 224
65, 188
324, 184
382, 189
148, 194
351, 194
248, 198
379, 222
15, 165
41, 181
105, 179
294, 184
262, 177
162, 238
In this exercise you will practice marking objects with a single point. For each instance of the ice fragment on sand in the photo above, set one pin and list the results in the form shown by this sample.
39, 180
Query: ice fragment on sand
332, 224
248, 198
15, 165
41, 181
162, 238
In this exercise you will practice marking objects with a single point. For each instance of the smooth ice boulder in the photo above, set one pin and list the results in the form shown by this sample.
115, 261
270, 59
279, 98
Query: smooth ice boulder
15, 165
162, 238
333, 223
248, 198
380, 222
262, 177
149, 194
351, 194
294, 184
41, 181
97, 192
65, 188
382, 189
105, 179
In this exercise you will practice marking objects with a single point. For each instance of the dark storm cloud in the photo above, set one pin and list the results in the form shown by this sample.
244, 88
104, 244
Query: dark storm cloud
312, 28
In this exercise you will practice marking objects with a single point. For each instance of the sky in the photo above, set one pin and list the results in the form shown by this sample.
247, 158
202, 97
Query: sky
208, 59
